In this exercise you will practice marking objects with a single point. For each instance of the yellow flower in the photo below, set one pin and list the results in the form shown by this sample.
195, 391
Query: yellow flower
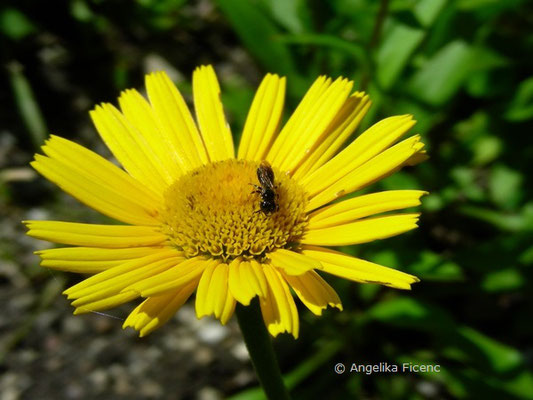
191, 210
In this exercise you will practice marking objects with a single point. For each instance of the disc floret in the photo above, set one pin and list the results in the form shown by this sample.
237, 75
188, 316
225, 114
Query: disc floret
214, 210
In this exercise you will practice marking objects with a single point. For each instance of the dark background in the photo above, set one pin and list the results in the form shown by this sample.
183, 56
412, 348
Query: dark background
463, 68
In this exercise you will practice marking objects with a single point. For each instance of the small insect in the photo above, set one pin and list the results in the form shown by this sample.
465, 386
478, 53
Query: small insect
267, 190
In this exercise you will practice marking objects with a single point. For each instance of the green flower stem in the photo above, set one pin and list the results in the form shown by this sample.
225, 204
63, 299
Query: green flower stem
261, 352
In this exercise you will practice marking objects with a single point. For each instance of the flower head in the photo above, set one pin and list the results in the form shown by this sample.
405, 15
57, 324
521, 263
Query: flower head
191, 211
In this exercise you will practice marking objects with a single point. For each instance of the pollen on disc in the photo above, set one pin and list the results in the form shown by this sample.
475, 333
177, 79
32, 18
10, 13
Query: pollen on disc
215, 210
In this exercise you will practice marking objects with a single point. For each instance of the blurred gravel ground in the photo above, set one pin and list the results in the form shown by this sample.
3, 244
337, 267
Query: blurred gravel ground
47, 353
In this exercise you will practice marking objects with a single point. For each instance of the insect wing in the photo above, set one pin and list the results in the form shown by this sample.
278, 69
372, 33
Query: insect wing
265, 175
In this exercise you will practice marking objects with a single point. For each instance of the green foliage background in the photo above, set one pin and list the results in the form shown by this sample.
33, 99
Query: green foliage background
463, 68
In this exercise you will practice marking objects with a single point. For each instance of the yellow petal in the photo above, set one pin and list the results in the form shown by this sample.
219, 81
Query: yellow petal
252, 273
263, 119
102, 171
175, 122
219, 289
313, 94
103, 186
210, 114
129, 147
116, 284
105, 304
278, 307
92, 235
302, 136
291, 262
171, 279
371, 171
213, 296
100, 198
363, 206
247, 280
240, 290
128, 269
88, 260
156, 311
368, 145
141, 115
81, 266
103, 292
314, 291
362, 231
345, 123
358, 270
201, 305
228, 308
417, 158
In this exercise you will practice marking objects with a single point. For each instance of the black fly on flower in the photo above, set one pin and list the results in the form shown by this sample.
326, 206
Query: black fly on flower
267, 188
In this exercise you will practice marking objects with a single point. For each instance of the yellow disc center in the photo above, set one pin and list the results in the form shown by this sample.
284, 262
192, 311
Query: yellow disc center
216, 210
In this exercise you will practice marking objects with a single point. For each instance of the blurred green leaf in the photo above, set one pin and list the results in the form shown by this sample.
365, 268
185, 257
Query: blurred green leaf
261, 37
504, 280
425, 118
378, 98
14, 24
474, 4
407, 17
368, 292
161, 6
504, 221
466, 180
237, 97
479, 84
292, 15
432, 266
163, 14
401, 5
411, 313
487, 7
527, 256
453, 380
433, 202
355, 50
495, 355
400, 180
505, 187
521, 384
27, 105
464, 382
427, 265
486, 149
521, 107
401, 41
485, 58
475, 134
484, 352
427, 11
81, 11
443, 75
395, 52
386, 257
